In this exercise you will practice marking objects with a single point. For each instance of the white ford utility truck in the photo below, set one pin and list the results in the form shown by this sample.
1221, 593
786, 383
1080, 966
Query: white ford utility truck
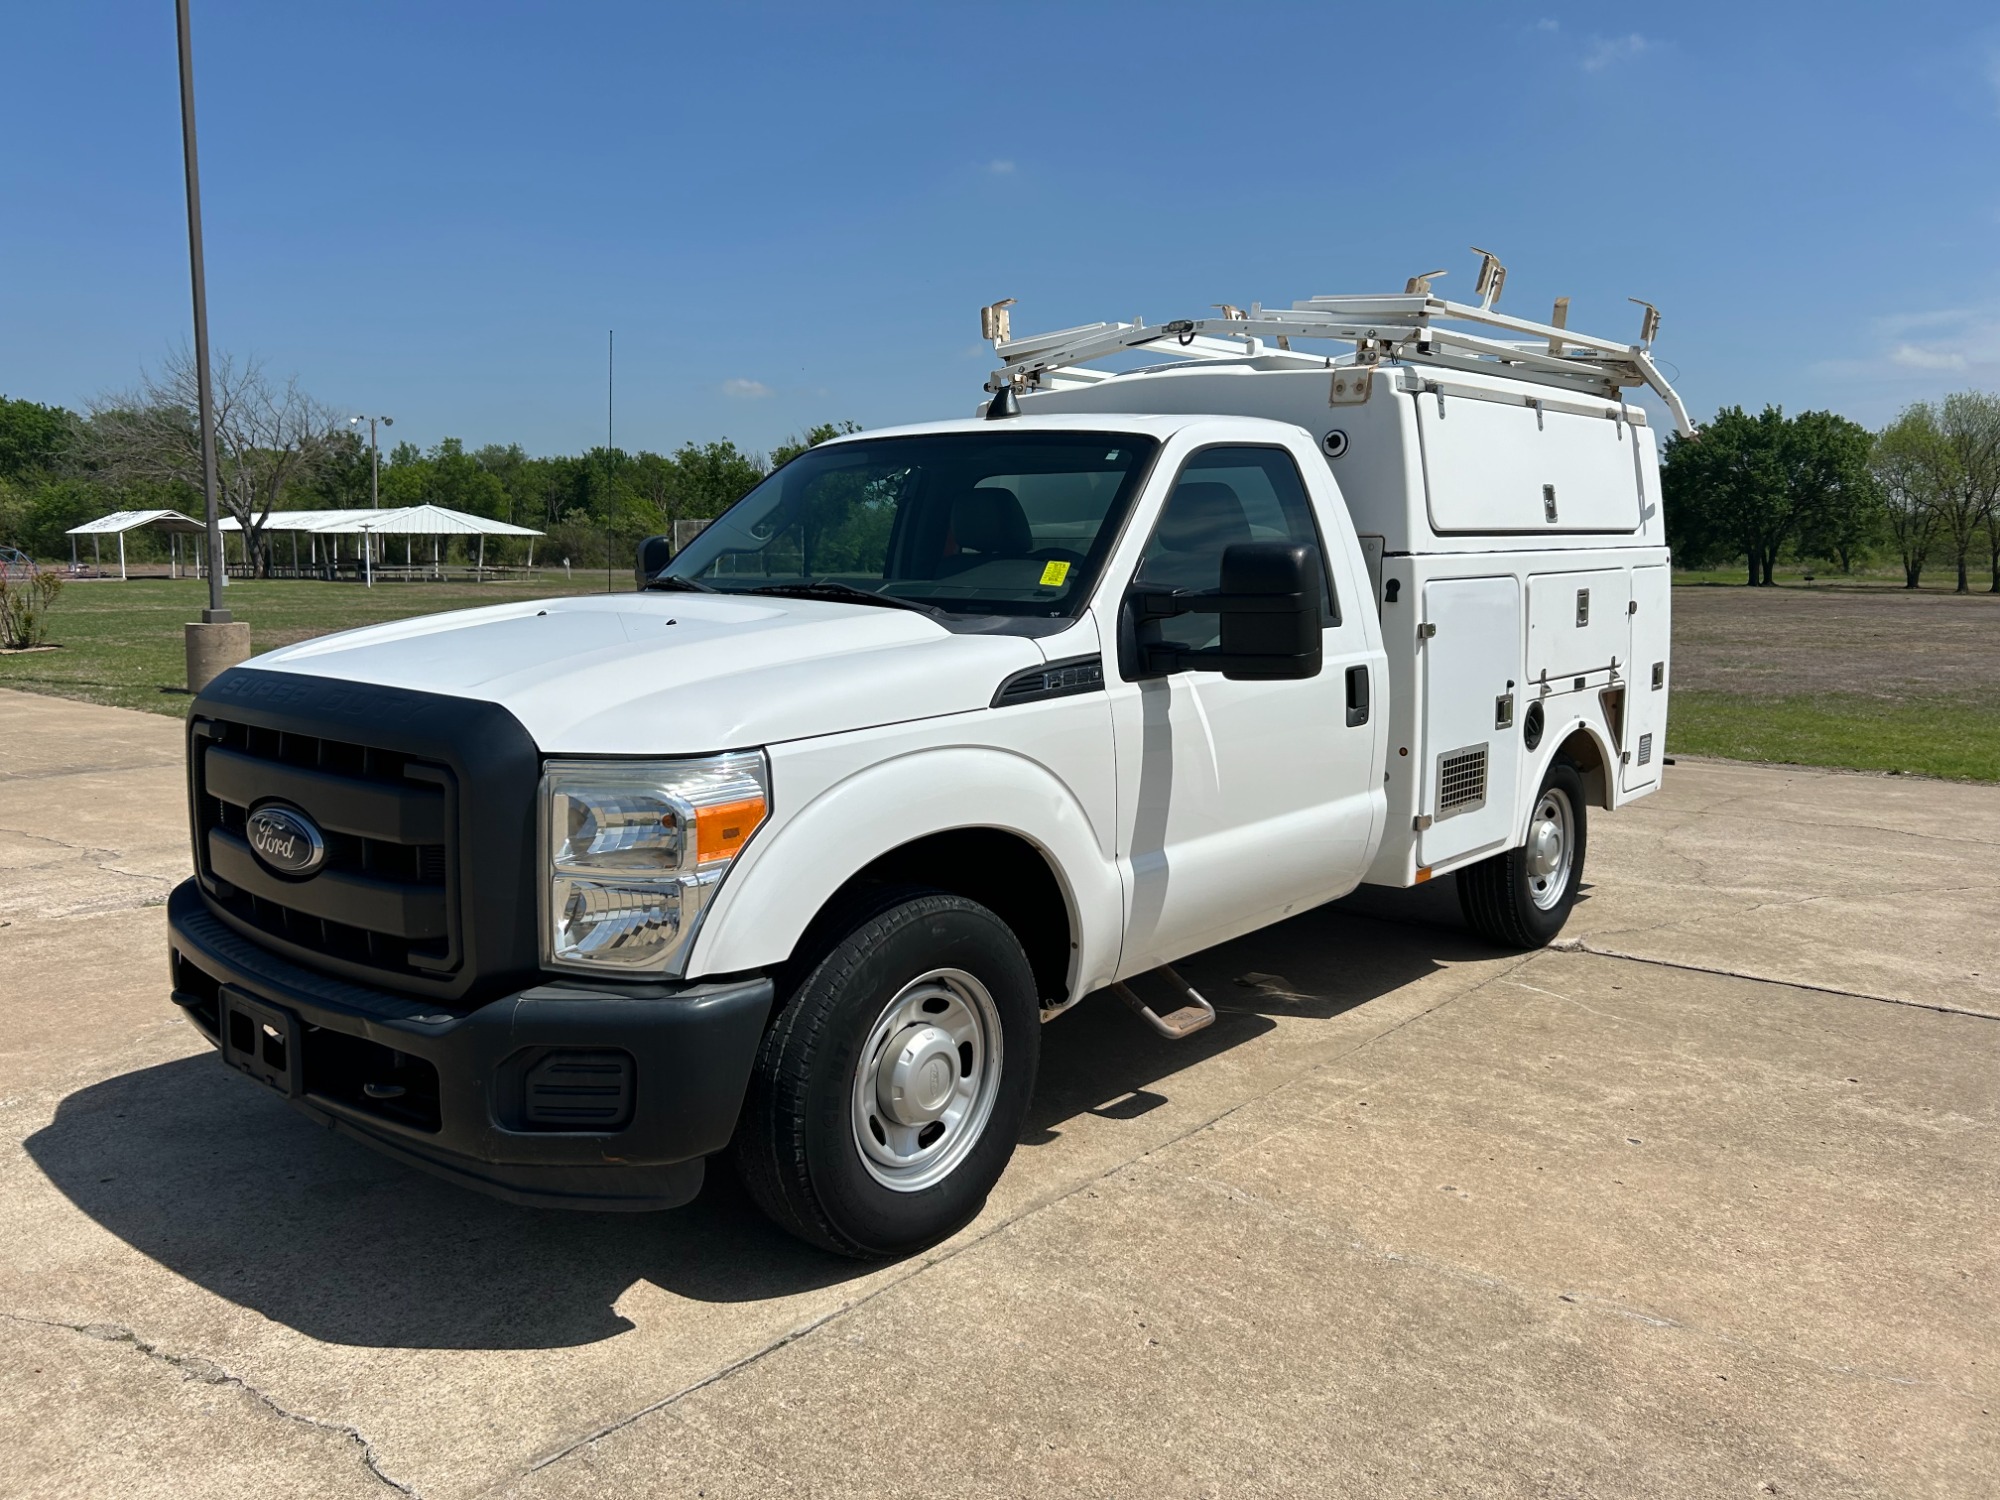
790, 853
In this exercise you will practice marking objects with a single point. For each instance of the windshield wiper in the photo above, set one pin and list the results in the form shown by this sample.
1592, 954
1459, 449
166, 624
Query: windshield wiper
845, 592
674, 583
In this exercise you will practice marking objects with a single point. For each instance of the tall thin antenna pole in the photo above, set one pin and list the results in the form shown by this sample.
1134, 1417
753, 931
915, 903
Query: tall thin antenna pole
610, 442
215, 614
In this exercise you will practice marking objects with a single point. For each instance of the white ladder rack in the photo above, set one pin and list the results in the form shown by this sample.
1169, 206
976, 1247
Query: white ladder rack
1411, 326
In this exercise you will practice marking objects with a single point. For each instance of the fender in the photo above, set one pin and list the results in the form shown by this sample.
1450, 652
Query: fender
1553, 738
792, 869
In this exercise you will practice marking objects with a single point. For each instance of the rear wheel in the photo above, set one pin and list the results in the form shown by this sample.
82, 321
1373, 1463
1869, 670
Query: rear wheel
891, 1087
1520, 899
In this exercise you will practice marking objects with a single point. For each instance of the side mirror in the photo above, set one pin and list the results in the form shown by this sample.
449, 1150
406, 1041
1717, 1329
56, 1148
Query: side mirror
1271, 604
655, 552
1272, 611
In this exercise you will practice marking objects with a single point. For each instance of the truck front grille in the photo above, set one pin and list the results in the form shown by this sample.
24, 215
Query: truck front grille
384, 897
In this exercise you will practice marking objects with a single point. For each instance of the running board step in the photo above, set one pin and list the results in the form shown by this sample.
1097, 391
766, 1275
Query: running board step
1184, 1022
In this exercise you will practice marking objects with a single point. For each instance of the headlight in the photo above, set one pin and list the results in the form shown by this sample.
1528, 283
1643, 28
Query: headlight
635, 850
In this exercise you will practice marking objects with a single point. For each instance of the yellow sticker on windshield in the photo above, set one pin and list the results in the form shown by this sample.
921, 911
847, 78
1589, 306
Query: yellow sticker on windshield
1054, 574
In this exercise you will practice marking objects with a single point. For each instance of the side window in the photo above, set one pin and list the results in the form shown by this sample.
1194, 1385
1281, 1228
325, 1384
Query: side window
1224, 496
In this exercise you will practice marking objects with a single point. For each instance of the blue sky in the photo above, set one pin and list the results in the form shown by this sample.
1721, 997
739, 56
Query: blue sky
791, 214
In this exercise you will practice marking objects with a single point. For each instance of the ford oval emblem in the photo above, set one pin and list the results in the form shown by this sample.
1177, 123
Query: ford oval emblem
285, 840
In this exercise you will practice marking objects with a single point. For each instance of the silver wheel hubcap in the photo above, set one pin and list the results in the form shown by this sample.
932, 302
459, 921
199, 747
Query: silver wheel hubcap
925, 1084
1551, 848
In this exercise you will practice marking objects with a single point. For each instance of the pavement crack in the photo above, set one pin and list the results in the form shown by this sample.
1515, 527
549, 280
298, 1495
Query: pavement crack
1584, 945
194, 1367
91, 851
791, 1337
54, 773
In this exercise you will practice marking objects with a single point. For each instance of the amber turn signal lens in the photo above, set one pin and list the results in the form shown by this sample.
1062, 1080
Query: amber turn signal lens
722, 830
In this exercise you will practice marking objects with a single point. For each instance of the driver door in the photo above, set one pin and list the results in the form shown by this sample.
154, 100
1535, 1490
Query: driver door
1241, 802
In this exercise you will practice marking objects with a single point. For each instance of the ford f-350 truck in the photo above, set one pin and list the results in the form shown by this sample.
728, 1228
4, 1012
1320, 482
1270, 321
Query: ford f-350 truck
789, 854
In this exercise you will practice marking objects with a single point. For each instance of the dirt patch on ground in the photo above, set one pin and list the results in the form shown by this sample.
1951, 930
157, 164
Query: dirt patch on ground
1888, 644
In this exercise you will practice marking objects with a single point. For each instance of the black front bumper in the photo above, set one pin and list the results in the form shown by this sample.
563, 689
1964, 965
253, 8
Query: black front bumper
466, 1096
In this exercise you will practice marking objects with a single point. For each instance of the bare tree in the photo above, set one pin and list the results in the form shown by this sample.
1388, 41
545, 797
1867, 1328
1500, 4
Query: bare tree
1908, 464
267, 437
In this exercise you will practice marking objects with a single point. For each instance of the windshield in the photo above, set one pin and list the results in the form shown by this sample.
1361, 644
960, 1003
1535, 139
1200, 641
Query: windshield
1004, 523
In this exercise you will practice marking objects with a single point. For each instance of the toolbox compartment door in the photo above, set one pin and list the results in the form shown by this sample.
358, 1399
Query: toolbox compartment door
1578, 623
1496, 466
1646, 700
1471, 743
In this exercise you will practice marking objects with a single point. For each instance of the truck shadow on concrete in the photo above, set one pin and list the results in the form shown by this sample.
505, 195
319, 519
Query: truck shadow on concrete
225, 1185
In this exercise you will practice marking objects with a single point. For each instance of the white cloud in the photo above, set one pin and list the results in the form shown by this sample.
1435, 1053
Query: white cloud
1927, 357
1892, 325
1603, 52
1000, 168
1548, 23
1962, 342
746, 390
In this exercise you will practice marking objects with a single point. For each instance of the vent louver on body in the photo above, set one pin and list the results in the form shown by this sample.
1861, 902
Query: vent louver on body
589, 1091
1461, 780
1645, 749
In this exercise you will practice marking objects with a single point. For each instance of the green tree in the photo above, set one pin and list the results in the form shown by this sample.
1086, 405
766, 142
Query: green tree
713, 477
340, 480
459, 482
1966, 471
1838, 502
812, 437
33, 439
1907, 465
1752, 487
1725, 490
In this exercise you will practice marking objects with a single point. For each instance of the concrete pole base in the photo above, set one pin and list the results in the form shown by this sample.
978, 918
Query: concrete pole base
214, 649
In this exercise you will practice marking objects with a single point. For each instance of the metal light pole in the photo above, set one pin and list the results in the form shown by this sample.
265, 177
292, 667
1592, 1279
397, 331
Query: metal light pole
375, 461
217, 642
215, 614
374, 483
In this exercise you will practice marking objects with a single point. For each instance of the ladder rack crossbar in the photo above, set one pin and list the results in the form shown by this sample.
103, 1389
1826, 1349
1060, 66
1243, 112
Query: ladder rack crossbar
1402, 327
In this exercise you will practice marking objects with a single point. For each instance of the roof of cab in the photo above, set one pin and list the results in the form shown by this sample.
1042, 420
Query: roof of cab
1145, 424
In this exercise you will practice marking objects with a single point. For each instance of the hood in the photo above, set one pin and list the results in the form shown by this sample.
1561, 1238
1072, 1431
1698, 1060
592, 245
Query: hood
676, 674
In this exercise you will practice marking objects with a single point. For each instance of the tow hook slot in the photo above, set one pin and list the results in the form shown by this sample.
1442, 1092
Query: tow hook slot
1186, 1021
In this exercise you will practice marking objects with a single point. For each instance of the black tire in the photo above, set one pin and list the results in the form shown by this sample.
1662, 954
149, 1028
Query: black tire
1499, 896
797, 1148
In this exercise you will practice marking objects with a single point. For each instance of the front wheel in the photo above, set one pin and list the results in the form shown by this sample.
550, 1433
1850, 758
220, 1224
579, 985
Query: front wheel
891, 1087
1520, 899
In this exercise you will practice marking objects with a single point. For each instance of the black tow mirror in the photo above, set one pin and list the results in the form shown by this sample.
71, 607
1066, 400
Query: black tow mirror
1271, 603
655, 552
1272, 610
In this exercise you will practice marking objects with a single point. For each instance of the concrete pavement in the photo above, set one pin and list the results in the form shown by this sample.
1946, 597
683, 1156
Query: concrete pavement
1711, 1216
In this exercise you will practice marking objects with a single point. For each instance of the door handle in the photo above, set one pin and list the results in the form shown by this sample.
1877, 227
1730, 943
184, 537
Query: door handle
1357, 696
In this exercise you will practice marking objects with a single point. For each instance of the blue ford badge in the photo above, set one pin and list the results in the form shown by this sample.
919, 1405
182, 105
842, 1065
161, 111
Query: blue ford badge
285, 840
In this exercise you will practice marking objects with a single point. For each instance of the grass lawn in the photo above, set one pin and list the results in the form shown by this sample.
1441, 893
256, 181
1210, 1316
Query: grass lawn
1874, 680
1936, 579
121, 643
1941, 737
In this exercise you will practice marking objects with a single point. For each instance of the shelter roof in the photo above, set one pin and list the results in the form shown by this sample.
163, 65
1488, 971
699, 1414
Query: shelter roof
134, 520
420, 520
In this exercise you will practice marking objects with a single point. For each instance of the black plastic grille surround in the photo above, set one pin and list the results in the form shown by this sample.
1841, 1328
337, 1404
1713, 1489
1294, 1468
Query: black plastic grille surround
426, 805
